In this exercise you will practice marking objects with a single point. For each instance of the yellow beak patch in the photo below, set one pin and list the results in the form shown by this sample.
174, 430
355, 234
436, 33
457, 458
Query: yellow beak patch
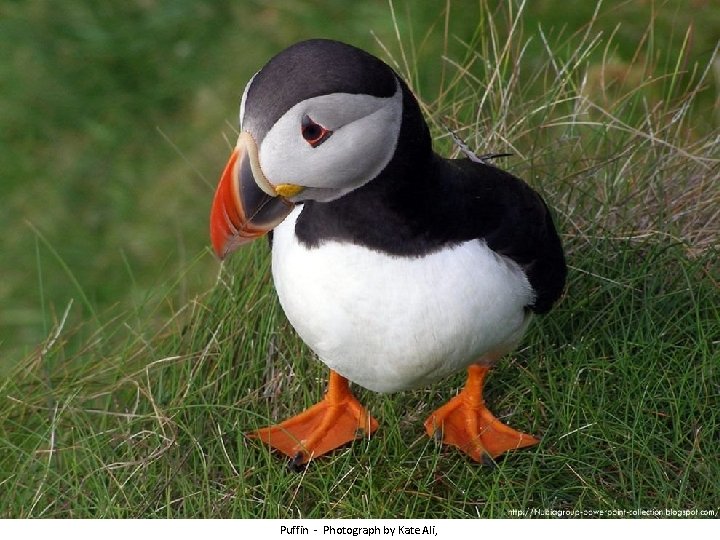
288, 190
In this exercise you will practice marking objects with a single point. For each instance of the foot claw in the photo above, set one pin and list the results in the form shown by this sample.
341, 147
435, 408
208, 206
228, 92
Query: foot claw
486, 460
297, 464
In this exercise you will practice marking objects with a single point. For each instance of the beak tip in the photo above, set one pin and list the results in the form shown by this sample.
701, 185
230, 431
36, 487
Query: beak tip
218, 238
223, 243
220, 255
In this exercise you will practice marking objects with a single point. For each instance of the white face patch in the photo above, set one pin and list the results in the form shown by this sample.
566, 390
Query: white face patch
365, 132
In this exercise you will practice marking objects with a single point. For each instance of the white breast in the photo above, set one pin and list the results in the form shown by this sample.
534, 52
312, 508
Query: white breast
391, 323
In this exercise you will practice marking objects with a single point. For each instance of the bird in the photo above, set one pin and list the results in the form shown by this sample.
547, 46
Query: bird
396, 266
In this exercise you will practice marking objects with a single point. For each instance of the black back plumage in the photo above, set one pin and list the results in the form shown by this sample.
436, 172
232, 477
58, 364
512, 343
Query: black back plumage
513, 220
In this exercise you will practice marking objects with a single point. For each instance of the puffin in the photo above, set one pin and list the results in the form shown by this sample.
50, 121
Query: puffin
396, 266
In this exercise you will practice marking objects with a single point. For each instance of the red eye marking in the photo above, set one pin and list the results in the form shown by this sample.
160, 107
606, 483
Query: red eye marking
313, 132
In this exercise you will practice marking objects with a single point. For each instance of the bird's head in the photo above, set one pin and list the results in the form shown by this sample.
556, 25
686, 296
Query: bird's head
318, 121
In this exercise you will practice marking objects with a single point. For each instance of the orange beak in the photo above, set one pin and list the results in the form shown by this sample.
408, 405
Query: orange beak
246, 206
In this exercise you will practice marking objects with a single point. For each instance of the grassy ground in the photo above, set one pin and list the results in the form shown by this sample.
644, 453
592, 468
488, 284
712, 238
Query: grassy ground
134, 363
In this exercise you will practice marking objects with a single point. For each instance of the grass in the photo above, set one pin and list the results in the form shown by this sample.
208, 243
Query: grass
139, 409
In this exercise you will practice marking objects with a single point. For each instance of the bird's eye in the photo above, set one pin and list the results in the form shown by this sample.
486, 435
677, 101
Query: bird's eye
313, 132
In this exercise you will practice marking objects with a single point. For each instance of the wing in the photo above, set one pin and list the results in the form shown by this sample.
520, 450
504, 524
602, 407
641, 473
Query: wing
514, 221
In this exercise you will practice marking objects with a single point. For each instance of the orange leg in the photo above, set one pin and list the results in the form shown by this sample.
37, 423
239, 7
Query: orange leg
465, 422
323, 427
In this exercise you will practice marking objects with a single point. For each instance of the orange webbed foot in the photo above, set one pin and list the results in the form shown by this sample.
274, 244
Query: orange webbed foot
325, 426
466, 423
